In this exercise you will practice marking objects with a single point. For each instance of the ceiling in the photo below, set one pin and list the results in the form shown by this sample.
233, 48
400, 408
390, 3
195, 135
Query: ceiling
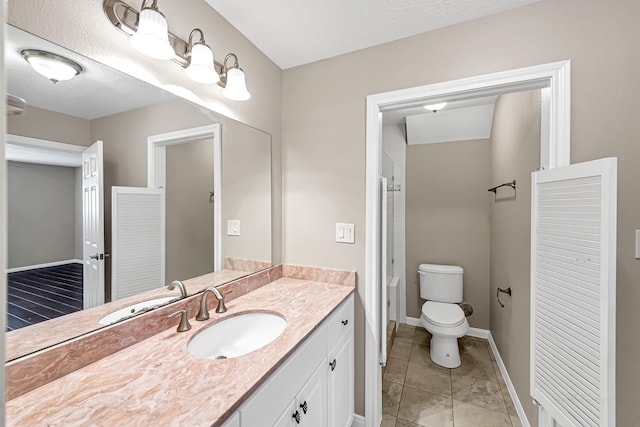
294, 32
457, 121
99, 91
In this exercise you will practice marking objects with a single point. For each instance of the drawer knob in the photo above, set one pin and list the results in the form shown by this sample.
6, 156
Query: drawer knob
296, 417
304, 407
333, 364
345, 322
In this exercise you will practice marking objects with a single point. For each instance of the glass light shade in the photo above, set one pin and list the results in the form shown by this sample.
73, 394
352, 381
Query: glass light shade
236, 88
201, 67
152, 37
52, 69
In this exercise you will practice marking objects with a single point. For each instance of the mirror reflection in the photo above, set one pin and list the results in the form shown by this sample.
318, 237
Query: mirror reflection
115, 189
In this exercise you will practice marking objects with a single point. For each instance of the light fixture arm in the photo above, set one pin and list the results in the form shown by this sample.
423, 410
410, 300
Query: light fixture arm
190, 44
125, 18
225, 68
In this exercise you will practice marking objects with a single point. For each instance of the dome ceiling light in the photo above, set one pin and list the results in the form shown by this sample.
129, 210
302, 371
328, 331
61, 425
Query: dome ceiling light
54, 67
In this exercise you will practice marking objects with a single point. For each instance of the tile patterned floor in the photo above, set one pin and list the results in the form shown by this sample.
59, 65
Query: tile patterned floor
418, 393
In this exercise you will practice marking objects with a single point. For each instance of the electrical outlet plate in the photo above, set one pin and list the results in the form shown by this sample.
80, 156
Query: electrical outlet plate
637, 244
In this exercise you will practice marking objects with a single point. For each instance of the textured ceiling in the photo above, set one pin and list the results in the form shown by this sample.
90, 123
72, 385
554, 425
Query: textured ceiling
294, 32
98, 91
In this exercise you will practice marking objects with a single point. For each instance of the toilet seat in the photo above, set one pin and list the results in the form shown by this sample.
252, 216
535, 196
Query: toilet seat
443, 314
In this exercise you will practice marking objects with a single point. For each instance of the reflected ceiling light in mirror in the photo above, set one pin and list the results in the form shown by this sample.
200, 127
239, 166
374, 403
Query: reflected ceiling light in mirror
201, 67
193, 57
435, 107
54, 67
152, 35
236, 88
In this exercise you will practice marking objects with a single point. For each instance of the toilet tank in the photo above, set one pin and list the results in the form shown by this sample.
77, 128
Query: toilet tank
441, 283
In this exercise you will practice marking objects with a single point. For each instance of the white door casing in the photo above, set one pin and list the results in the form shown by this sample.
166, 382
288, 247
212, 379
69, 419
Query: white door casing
384, 311
573, 293
93, 225
553, 78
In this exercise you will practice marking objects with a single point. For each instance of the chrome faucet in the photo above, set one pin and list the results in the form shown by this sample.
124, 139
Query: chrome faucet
177, 283
203, 314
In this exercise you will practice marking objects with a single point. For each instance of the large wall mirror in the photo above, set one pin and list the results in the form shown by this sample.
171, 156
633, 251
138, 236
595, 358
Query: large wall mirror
186, 193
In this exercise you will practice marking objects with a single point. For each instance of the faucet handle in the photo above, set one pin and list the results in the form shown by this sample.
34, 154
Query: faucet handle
184, 325
222, 308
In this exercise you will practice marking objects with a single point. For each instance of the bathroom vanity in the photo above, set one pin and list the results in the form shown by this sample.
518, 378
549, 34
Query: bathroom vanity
305, 376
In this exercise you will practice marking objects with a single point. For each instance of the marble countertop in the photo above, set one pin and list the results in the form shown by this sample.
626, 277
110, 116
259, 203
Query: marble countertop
157, 381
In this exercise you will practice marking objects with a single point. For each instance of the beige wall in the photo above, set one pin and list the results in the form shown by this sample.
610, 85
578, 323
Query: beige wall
51, 126
88, 32
189, 213
41, 214
515, 153
447, 214
246, 178
324, 128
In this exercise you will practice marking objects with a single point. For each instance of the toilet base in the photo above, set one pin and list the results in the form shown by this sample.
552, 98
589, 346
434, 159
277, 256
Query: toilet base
444, 351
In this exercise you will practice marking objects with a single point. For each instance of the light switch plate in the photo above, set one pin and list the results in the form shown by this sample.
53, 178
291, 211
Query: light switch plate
637, 244
345, 233
233, 227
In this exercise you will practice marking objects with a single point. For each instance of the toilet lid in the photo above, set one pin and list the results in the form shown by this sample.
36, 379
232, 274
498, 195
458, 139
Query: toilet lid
443, 314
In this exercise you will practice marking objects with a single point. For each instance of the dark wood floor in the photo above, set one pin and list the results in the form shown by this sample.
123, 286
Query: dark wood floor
34, 296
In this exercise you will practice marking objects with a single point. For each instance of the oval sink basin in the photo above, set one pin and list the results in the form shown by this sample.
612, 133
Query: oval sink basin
237, 336
136, 308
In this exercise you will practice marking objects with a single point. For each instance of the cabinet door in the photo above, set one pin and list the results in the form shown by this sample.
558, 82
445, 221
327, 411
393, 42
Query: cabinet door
341, 382
312, 399
289, 417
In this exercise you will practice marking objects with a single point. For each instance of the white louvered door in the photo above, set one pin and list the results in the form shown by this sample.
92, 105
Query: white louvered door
137, 247
573, 281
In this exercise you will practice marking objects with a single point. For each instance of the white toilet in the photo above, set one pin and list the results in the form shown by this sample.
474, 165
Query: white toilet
441, 286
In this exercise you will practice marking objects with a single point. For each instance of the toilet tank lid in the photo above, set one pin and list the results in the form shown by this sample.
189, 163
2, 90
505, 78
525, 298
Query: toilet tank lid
442, 269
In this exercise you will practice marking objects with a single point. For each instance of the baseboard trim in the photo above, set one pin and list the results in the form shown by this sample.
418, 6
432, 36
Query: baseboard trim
508, 383
412, 321
48, 264
358, 421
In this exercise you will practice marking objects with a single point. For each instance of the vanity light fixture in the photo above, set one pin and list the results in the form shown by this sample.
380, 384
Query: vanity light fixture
435, 107
197, 58
236, 88
54, 67
152, 35
201, 67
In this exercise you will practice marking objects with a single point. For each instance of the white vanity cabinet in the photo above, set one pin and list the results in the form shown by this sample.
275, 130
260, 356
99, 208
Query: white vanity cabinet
314, 386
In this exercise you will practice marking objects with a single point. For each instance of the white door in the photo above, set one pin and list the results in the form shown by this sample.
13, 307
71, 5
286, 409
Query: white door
341, 383
137, 240
93, 226
573, 293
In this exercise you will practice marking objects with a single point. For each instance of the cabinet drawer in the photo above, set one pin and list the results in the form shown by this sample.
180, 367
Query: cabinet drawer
339, 322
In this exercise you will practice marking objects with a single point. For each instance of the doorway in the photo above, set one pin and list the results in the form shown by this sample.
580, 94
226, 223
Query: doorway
552, 78
49, 273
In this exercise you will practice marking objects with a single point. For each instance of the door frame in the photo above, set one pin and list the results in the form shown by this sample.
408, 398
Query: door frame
157, 168
553, 78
